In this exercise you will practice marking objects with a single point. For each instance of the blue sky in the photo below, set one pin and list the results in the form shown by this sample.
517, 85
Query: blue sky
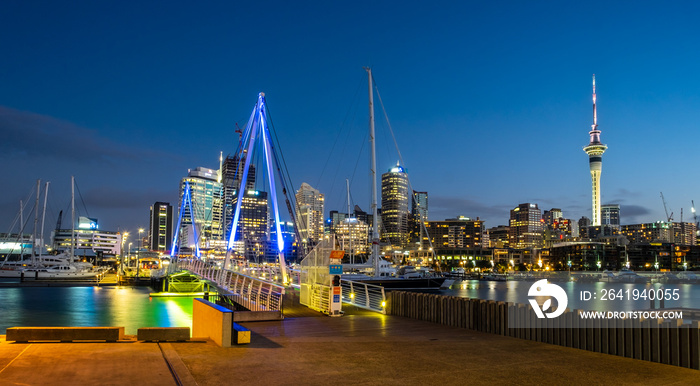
490, 101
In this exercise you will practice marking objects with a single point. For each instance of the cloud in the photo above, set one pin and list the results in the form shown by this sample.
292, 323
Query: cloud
634, 210
442, 207
34, 135
114, 198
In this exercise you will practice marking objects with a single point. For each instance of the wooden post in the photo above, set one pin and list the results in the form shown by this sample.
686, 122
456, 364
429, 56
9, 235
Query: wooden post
636, 339
694, 345
604, 337
673, 335
655, 342
646, 340
684, 345
665, 343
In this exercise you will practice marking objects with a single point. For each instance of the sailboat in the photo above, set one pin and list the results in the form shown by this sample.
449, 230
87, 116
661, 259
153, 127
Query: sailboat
61, 266
377, 264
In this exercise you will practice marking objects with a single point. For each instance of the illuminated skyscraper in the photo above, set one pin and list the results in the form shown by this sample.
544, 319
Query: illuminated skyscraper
526, 227
395, 200
610, 215
310, 203
595, 150
252, 232
231, 172
207, 205
419, 214
160, 231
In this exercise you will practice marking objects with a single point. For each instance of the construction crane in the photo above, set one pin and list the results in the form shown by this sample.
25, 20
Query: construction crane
669, 218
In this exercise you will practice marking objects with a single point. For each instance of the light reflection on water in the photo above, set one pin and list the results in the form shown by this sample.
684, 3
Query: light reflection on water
130, 307
516, 292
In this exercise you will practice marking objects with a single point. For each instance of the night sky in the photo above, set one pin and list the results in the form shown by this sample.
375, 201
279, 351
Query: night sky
490, 102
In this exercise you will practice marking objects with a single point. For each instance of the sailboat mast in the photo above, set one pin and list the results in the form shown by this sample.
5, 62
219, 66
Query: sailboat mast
347, 185
373, 166
72, 215
43, 217
36, 219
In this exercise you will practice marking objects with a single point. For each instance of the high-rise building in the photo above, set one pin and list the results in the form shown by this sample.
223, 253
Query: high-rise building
610, 215
551, 216
419, 214
207, 200
160, 229
395, 214
525, 230
252, 232
353, 236
310, 210
461, 232
231, 172
498, 236
291, 246
595, 150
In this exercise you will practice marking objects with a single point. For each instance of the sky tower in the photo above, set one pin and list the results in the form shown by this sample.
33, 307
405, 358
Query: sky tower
595, 150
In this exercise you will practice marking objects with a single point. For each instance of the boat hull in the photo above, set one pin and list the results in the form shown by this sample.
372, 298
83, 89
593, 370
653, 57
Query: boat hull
408, 283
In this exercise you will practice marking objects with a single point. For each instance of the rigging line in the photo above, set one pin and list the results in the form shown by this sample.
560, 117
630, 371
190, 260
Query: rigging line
359, 155
87, 214
352, 108
386, 117
410, 186
278, 155
21, 212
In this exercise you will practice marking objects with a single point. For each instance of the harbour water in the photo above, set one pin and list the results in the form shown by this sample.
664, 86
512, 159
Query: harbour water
130, 307
604, 296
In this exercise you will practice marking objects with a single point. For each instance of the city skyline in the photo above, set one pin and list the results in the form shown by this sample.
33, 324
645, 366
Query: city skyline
490, 107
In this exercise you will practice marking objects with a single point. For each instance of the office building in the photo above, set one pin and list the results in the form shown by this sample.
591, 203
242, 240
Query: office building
395, 213
230, 173
207, 203
459, 233
610, 215
310, 210
526, 227
160, 229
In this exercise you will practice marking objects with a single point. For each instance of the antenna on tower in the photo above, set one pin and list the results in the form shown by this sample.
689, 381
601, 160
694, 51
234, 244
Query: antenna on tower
595, 114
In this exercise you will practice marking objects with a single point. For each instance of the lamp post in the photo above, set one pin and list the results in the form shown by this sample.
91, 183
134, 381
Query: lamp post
124, 238
138, 253
129, 256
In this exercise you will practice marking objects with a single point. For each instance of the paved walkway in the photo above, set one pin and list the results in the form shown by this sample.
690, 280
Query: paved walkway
363, 349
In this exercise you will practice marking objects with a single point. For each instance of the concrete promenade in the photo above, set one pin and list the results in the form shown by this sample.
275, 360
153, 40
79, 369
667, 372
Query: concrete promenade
359, 348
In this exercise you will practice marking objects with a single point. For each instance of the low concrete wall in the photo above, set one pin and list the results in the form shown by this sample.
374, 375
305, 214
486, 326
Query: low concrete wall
669, 342
163, 333
256, 316
212, 321
64, 334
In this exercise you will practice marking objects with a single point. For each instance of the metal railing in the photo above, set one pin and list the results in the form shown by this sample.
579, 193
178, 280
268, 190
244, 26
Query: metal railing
252, 293
363, 295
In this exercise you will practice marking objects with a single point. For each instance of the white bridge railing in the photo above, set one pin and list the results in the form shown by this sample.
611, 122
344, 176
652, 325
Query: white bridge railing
252, 293
363, 295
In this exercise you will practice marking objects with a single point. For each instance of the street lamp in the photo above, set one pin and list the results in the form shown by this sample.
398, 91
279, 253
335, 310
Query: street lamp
129, 256
138, 253
124, 238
